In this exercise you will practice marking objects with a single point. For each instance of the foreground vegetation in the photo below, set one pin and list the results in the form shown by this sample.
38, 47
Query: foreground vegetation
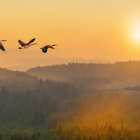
107, 132
98, 116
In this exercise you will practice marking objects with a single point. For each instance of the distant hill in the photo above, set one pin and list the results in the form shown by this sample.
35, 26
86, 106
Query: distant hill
6, 74
16, 81
79, 75
128, 72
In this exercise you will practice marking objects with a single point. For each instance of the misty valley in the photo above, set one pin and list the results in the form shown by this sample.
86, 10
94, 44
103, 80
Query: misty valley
76, 101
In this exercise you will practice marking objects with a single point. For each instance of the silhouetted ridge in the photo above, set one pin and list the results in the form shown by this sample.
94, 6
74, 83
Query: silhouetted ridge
128, 72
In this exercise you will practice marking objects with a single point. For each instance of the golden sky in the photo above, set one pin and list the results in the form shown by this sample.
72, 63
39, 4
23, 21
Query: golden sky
90, 29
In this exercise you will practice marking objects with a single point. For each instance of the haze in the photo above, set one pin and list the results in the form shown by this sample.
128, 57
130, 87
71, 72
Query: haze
89, 29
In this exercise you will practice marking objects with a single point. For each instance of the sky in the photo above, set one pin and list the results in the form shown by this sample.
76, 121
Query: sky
88, 29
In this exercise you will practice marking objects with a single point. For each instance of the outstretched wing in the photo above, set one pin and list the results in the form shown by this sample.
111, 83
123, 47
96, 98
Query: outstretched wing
49, 46
31, 41
2, 47
54, 45
21, 43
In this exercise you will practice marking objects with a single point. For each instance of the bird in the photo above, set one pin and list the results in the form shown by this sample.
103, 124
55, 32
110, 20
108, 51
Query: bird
26, 45
45, 48
1, 45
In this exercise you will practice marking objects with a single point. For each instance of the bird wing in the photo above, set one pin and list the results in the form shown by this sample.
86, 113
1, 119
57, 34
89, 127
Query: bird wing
21, 43
49, 46
2, 47
31, 41
54, 45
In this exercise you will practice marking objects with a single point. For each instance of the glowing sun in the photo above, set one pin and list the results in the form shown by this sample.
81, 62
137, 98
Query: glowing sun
136, 33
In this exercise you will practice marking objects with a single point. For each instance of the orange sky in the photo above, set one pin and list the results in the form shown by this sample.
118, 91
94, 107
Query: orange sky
90, 29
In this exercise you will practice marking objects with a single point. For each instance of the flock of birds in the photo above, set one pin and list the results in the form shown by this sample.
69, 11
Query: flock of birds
27, 45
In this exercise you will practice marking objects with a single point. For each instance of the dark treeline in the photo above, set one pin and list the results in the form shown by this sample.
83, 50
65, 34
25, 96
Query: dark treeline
34, 108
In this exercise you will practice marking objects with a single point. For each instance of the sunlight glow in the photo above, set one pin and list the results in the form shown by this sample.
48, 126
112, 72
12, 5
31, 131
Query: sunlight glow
136, 32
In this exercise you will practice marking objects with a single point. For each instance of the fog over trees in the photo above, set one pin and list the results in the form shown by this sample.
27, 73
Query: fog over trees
64, 100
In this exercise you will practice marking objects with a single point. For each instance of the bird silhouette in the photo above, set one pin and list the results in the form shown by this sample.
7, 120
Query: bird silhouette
45, 48
26, 45
1, 45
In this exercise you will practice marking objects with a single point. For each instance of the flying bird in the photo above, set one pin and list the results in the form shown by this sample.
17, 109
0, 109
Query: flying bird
1, 45
26, 45
45, 48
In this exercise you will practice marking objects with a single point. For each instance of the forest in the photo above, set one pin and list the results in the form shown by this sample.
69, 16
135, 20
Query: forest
71, 102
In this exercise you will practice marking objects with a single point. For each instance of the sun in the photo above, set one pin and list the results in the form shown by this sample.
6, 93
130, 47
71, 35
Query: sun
136, 32
132, 28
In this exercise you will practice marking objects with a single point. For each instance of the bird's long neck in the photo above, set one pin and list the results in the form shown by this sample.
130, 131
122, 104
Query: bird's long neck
3, 40
33, 44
